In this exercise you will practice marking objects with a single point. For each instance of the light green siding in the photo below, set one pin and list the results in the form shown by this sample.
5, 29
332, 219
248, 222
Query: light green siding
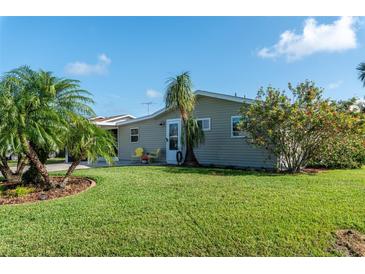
151, 136
219, 147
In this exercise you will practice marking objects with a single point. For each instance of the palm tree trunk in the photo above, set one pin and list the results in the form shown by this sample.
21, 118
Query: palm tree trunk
70, 170
189, 159
20, 165
8, 174
33, 157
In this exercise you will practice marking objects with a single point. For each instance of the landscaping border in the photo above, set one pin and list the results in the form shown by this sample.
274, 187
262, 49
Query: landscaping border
91, 181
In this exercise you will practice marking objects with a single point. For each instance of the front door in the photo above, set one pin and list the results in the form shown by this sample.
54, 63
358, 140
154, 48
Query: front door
173, 140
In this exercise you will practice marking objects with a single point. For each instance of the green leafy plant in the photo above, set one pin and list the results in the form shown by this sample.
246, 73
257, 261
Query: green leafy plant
2, 189
341, 153
19, 191
35, 111
346, 148
86, 140
296, 129
193, 134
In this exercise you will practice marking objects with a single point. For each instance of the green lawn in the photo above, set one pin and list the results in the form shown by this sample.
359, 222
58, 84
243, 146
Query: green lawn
166, 211
13, 163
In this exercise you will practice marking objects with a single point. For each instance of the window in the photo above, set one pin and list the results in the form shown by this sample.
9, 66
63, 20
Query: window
204, 123
134, 135
235, 131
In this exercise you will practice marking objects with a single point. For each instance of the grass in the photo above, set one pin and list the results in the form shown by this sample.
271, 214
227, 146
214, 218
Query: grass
13, 163
56, 160
167, 211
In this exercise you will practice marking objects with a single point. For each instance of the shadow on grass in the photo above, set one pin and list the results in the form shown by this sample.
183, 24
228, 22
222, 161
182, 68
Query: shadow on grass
219, 171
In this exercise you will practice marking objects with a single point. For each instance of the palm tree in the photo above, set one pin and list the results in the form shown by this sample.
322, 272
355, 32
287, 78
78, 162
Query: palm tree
179, 95
9, 143
6, 149
86, 140
361, 69
193, 134
39, 109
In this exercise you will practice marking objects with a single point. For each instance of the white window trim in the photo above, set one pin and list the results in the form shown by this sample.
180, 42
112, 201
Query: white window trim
232, 136
210, 123
118, 141
130, 135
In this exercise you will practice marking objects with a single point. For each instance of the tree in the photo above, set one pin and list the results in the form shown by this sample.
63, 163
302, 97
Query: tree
39, 108
293, 129
361, 69
6, 150
193, 134
86, 140
9, 143
179, 95
346, 148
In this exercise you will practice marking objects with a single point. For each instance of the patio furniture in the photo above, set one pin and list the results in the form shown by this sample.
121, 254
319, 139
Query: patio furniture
138, 153
145, 159
154, 156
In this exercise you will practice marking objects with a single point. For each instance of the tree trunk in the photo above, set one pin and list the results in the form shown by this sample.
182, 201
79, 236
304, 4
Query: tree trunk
190, 159
70, 170
33, 157
8, 174
20, 165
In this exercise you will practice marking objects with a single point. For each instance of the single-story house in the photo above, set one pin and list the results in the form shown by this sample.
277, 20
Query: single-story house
218, 115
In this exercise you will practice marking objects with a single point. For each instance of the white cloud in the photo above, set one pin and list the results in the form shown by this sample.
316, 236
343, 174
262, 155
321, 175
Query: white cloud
335, 85
82, 68
334, 37
153, 93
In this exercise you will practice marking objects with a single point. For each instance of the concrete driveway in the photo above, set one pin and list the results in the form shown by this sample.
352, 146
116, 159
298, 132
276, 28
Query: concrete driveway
82, 165
86, 165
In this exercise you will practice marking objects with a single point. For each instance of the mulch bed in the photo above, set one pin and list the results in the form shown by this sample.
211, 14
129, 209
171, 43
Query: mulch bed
350, 243
74, 186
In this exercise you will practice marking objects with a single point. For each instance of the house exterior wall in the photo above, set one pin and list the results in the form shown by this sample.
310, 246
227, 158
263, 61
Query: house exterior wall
219, 147
151, 136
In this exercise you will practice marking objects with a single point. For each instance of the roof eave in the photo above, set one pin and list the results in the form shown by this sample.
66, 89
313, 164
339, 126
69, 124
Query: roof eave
198, 93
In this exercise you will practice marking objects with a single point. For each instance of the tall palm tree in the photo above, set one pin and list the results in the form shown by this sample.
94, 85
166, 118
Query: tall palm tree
39, 108
179, 95
86, 140
361, 69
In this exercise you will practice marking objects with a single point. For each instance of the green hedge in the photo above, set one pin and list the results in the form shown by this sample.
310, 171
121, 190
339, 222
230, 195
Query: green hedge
341, 152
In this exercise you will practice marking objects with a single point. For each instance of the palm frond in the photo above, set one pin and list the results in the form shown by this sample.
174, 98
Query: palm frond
179, 94
361, 69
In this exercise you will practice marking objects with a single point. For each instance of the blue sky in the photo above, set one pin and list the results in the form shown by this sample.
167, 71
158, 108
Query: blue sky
125, 61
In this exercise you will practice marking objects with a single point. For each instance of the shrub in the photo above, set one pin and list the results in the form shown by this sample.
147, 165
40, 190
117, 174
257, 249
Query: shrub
341, 153
19, 191
346, 148
304, 129
291, 128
